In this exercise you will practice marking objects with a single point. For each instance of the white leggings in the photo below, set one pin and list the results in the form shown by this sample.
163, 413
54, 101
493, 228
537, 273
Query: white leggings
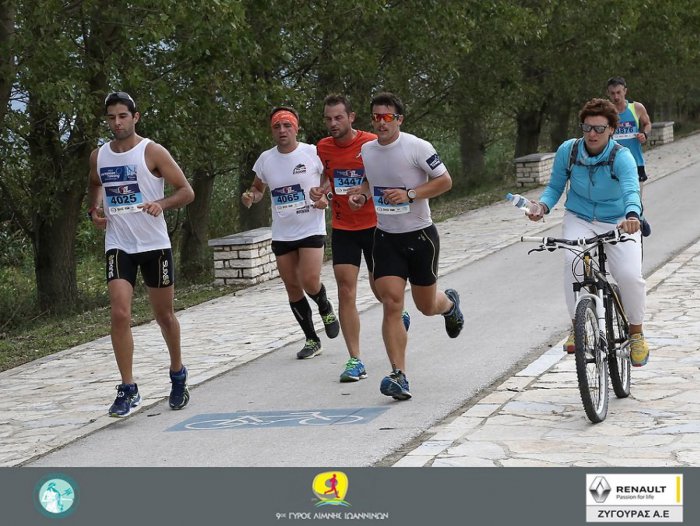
624, 263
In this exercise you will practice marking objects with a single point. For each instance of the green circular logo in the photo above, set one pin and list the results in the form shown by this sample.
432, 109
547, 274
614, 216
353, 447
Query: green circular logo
56, 496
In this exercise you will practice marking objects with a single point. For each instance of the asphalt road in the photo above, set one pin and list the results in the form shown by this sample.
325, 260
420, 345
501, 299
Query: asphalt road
514, 310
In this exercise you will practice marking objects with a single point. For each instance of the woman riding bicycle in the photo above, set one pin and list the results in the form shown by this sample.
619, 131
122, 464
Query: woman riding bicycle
603, 193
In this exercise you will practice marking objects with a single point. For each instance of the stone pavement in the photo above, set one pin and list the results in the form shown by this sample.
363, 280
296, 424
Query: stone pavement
55, 400
535, 418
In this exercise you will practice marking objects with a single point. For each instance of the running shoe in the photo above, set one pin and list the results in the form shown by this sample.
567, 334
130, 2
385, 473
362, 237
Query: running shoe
311, 348
639, 350
406, 317
395, 385
179, 393
454, 320
128, 397
569, 346
331, 323
354, 371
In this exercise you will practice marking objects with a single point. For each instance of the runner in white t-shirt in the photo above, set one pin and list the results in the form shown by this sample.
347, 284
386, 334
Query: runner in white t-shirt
402, 173
291, 169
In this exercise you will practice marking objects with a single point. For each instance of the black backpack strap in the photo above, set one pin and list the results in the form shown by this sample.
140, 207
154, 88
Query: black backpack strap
611, 160
573, 155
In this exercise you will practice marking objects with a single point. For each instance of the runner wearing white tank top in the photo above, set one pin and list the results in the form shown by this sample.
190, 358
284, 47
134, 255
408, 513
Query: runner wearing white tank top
126, 197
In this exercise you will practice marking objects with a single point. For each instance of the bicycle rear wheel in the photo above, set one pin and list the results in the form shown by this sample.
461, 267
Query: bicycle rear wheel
591, 363
618, 341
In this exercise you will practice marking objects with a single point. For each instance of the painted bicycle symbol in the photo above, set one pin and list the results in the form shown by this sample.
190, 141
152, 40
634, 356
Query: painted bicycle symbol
303, 418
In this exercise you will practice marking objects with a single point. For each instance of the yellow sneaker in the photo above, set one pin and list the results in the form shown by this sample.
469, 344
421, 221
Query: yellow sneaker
639, 350
570, 344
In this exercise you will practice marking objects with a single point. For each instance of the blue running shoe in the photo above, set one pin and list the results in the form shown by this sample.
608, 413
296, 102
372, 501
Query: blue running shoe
179, 393
406, 317
354, 371
454, 320
396, 386
127, 397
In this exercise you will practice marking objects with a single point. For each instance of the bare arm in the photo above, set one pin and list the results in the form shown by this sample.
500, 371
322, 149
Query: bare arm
644, 122
94, 193
162, 164
254, 194
433, 188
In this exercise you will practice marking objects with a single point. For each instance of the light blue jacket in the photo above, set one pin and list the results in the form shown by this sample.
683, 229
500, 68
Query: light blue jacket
593, 193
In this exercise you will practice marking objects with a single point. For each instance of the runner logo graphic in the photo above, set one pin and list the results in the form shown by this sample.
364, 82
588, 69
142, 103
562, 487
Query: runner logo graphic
331, 487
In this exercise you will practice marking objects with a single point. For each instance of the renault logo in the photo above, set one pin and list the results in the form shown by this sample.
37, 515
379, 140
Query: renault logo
600, 489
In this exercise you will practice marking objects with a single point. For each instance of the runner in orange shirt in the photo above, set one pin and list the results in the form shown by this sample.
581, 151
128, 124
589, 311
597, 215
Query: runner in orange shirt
353, 231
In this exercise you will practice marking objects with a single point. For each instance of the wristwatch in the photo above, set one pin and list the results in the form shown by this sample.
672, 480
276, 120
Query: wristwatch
411, 195
329, 196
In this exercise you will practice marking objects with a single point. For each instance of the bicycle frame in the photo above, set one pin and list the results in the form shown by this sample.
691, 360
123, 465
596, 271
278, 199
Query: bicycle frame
597, 280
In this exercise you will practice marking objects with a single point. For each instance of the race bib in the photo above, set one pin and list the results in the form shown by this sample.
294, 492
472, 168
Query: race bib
343, 180
382, 207
286, 198
122, 191
625, 130
123, 199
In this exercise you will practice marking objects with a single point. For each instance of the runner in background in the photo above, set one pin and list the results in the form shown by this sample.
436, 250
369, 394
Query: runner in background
633, 130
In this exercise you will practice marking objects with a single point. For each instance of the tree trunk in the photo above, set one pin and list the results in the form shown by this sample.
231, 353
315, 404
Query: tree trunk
259, 214
529, 126
7, 73
57, 190
472, 151
54, 257
559, 117
195, 257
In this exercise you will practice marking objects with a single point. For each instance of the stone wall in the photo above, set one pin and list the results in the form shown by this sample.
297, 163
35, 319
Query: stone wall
661, 133
534, 169
245, 258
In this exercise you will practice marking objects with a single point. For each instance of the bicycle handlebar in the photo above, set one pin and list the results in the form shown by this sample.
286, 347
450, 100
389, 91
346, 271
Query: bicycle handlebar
613, 236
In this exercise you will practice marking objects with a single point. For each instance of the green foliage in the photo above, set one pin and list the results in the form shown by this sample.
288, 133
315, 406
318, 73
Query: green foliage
205, 76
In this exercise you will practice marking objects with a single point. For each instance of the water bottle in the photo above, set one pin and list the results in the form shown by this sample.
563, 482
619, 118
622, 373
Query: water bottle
523, 203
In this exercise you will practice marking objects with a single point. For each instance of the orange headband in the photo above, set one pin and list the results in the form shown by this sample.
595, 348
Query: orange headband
285, 115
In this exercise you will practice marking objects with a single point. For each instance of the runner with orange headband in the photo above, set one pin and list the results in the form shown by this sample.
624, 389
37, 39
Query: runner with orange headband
291, 169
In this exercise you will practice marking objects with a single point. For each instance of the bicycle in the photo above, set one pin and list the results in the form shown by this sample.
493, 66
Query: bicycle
599, 353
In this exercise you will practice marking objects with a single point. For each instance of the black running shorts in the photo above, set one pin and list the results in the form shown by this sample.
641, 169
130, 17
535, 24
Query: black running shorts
156, 266
412, 255
280, 248
350, 245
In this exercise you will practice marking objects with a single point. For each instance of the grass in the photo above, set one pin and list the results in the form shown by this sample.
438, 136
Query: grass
49, 335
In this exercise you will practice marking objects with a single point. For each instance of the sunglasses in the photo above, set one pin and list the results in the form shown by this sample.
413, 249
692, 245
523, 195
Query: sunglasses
118, 96
588, 127
386, 117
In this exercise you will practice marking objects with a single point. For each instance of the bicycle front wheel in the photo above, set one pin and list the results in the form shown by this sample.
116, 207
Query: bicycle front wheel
618, 341
591, 363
